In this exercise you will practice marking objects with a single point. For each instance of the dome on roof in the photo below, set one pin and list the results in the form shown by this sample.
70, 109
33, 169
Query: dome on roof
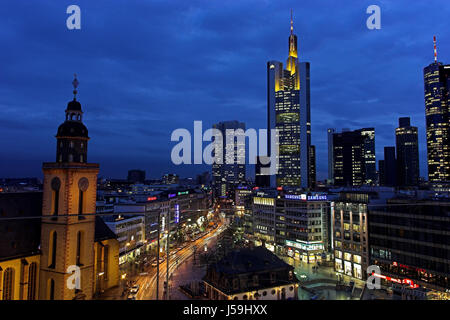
74, 105
72, 129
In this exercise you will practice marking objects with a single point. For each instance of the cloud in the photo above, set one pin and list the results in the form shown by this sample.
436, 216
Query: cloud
149, 67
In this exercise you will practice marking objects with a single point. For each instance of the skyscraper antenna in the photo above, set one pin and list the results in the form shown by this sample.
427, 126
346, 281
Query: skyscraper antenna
292, 24
435, 50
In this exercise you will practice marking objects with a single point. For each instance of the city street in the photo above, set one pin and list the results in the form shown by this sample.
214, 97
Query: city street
183, 258
147, 283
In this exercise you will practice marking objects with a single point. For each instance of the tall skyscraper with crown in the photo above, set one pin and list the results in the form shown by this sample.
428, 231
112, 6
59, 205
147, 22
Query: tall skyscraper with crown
288, 107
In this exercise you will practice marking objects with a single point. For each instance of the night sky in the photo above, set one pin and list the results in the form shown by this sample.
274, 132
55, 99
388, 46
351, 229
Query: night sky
148, 67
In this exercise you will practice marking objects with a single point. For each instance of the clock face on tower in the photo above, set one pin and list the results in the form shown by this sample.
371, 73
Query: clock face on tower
56, 183
83, 184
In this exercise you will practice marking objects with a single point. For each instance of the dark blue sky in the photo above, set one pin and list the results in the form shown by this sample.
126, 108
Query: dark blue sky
148, 67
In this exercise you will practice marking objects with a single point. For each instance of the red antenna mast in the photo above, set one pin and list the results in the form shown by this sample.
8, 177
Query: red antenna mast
435, 50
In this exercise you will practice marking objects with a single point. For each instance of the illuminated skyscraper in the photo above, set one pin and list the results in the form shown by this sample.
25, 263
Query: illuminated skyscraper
407, 143
288, 102
330, 133
354, 157
231, 172
437, 102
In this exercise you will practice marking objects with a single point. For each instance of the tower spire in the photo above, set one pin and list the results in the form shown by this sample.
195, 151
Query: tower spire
292, 23
75, 86
435, 49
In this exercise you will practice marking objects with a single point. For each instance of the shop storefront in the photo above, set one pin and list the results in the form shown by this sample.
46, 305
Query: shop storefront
305, 251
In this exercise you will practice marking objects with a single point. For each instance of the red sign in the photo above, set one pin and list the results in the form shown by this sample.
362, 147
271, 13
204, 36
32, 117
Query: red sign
409, 282
151, 198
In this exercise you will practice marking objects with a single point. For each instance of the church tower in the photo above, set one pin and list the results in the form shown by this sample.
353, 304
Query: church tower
68, 226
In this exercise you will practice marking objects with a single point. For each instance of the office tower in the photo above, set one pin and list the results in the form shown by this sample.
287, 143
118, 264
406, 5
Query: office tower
312, 167
354, 161
136, 176
381, 174
228, 169
409, 242
288, 103
437, 102
370, 164
330, 132
390, 167
406, 139
261, 180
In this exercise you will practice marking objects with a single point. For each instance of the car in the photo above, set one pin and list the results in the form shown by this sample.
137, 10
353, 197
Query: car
134, 289
131, 297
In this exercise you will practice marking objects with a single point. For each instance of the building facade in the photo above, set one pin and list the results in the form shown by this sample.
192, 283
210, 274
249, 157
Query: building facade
292, 224
407, 144
350, 234
409, 241
354, 161
228, 169
288, 103
69, 243
437, 102
330, 133
390, 167
251, 274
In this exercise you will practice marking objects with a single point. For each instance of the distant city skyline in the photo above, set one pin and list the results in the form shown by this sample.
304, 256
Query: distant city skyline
149, 68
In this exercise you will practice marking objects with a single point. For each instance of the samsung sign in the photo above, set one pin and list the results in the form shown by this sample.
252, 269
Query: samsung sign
305, 197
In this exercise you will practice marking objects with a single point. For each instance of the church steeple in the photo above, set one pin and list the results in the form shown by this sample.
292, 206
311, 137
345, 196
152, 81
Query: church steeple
68, 226
72, 136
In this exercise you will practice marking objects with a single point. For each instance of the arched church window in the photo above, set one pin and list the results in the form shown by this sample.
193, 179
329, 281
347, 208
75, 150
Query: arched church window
51, 289
32, 273
55, 185
83, 185
8, 284
52, 249
80, 246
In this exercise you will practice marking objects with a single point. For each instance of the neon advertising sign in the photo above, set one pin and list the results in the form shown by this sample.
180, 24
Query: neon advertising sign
177, 213
306, 197
409, 282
